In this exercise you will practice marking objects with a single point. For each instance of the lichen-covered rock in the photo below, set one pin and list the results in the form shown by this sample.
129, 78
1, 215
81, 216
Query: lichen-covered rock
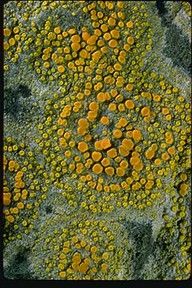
96, 140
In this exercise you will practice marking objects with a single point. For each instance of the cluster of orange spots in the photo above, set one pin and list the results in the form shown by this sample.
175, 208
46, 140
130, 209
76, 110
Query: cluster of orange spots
97, 168
156, 98
103, 96
66, 111
150, 152
112, 153
18, 180
117, 133
183, 189
171, 150
96, 156
169, 138
82, 146
145, 111
136, 134
129, 104
103, 144
105, 120
83, 125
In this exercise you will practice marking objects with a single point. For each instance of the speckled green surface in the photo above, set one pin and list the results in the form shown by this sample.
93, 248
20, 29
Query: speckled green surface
97, 140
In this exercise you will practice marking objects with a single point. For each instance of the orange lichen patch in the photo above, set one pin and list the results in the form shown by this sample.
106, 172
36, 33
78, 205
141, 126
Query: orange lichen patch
75, 38
97, 168
149, 153
138, 167
105, 162
92, 40
117, 133
157, 161
96, 55
82, 146
93, 106
129, 87
100, 43
149, 184
129, 24
113, 43
96, 156
75, 46
84, 54
104, 27
92, 115
6, 199
97, 32
6, 32
171, 150
123, 150
104, 120
129, 104
128, 144
115, 33
137, 136
85, 35
146, 95
81, 131
105, 143
165, 156
98, 145
19, 175
130, 40
120, 171
98, 87
121, 123
76, 258
145, 111
72, 31
10, 218
83, 267
165, 111
82, 122
107, 36
61, 68
111, 21
117, 67
134, 160
112, 153
66, 111
109, 171
112, 107
124, 164
183, 189
12, 164
87, 137
101, 96
156, 98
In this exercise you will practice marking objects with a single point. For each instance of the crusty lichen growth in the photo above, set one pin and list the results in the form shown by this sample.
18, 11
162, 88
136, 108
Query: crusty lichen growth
107, 150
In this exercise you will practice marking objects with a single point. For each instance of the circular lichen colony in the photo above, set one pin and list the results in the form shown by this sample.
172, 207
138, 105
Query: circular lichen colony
98, 181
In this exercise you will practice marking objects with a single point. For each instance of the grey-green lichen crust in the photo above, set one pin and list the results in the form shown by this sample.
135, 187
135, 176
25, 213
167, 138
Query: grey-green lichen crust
82, 78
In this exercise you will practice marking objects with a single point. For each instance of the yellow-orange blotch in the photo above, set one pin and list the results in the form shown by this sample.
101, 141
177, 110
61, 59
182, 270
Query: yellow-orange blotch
97, 168
96, 156
105, 143
145, 111
109, 171
128, 144
104, 120
112, 153
82, 146
129, 104
117, 133
137, 135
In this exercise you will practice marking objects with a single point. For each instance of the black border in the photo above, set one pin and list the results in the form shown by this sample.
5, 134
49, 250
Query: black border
6, 283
